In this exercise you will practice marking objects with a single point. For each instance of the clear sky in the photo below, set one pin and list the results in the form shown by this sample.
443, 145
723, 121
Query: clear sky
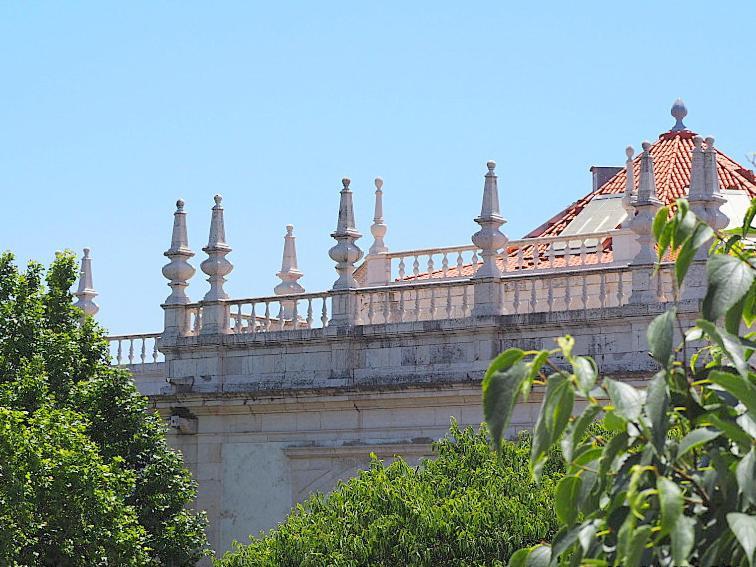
111, 111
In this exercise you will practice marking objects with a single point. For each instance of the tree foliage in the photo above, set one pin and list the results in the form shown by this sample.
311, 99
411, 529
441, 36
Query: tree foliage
677, 484
441, 512
86, 476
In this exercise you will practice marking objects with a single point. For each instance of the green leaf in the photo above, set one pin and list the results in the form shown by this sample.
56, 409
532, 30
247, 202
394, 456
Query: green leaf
660, 220
729, 280
657, 404
746, 476
660, 336
683, 538
744, 528
627, 401
682, 262
684, 227
566, 344
539, 556
636, 546
664, 239
565, 500
730, 344
734, 316
576, 429
552, 419
731, 429
586, 373
670, 503
748, 219
519, 558
501, 384
695, 439
740, 387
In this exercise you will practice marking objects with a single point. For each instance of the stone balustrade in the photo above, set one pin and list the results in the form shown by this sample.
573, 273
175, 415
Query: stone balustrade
136, 349
543, 253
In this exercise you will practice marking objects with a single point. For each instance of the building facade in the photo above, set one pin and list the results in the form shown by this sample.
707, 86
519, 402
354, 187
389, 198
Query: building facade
272, 398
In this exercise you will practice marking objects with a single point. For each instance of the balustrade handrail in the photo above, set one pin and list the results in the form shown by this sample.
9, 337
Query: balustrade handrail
521, 243
267, 298
133, 336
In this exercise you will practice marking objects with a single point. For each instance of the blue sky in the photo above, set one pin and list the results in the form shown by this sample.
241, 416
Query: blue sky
109, 112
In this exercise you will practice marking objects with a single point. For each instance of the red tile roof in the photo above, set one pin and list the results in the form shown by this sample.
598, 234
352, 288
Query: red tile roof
672, 155
672, 161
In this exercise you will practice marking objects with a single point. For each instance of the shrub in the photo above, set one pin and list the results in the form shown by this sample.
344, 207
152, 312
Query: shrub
466, 506
677, 483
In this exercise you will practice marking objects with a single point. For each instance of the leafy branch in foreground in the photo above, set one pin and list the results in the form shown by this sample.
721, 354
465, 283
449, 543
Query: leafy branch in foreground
677, 483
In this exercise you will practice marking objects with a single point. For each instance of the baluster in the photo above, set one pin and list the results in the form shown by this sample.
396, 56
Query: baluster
449, 307
536, 257
584, 294
474, 260
417, 304
324, 312
143, 354
602, 289
532, 295
387, 308
430, 265
131, 351
416, 267
460, 264
551, 255
432, 303
154, 349
550, 295
567, 294
252, 323
281, 320
583, 252
295, 314
516, 302
567, 255
520, 262
445, 265
267, 316
371, 310
620, 291
119, 353
309, 313
401, 306
238, 325
401, 268
465, 301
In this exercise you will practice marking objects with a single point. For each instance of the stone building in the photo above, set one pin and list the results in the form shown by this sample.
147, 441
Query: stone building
271, 398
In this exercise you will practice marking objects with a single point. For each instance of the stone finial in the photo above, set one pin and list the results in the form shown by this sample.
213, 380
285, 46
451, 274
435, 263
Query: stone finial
678, 111
697, 182
629, 182
489, 238
711, 175
647, 179
289, 273
378, 229
85, 292
216, 266
345, 253
178, 271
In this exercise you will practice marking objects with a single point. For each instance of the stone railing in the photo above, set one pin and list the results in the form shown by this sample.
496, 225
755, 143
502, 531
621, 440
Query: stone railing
543, 253
129, 350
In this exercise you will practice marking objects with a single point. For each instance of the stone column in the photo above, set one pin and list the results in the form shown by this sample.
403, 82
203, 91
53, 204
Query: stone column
647, 205
85, 292
345, 253
289, 274
487, 280
178, 271
378, 265
217, 267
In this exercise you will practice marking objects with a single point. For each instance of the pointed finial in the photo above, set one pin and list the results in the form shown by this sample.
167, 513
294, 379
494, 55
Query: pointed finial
178, 271
489, 238
216, 266
378, 229
679, 111
289, 274
697, 175
345, 253
711, 174
629, 182
85, 292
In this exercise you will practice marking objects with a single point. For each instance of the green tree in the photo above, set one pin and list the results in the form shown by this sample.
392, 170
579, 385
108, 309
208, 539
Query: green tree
677, 484
441, 512
86, 475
